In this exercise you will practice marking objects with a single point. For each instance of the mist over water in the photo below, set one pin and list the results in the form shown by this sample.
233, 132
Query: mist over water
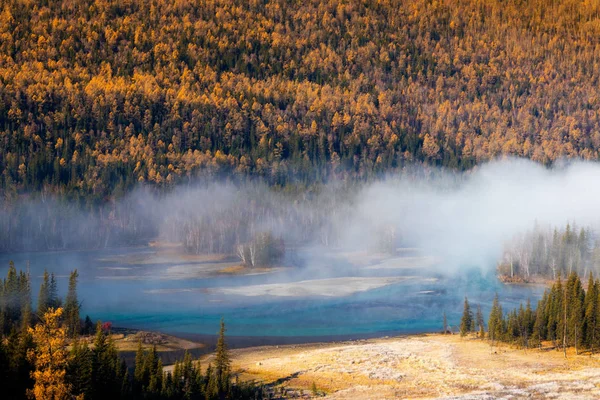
457, 223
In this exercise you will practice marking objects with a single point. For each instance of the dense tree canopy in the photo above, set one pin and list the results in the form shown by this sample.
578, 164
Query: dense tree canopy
98, 95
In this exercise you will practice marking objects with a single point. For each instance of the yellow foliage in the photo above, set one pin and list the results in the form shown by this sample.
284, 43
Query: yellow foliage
49, 358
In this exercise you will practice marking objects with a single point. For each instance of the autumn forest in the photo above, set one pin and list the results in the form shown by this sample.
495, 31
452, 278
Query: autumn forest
96, 96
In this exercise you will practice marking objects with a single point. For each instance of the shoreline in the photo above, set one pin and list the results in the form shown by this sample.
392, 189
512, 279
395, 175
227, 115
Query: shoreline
242, 342
207, 342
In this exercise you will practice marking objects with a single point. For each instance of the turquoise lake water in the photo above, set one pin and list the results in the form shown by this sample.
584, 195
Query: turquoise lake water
109, 292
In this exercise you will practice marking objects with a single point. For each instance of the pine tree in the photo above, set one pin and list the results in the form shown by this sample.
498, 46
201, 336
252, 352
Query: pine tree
72, 307
591, 314
555, 308
53, 299
79, 369
467, 319
574, 311
88, 326
540, 325
479, 321
495, 321
12, 296
222, 362
138, 374
25, 293
107, 374
44, 295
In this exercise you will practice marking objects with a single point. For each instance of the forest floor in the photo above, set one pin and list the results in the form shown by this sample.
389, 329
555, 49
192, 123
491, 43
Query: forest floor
426, 366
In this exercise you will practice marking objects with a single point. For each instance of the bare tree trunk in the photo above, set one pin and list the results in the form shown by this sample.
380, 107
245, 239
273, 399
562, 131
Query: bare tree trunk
252, 249
241, 251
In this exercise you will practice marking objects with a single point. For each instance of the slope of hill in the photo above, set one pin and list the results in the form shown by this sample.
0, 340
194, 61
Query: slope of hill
98, 95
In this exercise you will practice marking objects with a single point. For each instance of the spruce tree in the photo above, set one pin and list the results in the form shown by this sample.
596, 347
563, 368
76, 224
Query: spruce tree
138, 374
72, 307
44, 295
222, 362
591, 314
479, 321
540, 324
88, 326
495, 321
574, 311
556, 312
467, 319
79, 370
107, 374
12, 297
53, 299
25, 294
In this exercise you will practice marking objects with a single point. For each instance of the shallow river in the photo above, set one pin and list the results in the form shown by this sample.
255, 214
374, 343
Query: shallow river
129, 287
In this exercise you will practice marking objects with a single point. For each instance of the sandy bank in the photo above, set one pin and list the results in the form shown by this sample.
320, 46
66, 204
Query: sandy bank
331, 287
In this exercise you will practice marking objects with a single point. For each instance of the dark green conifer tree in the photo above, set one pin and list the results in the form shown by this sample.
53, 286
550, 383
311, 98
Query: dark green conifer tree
53, 299
467, 319
575, 299
72, 319
25, 294
479, 321
591, 314
495, 325
222, 362
79, 370
44, 295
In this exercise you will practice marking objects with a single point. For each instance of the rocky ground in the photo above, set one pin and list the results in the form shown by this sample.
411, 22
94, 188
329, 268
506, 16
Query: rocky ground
428, 366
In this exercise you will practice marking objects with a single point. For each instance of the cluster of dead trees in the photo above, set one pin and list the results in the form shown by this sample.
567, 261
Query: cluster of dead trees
262, 250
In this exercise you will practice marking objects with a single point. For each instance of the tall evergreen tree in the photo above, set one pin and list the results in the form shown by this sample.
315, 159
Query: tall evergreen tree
222, 362
575, 298
479, 321
591, 314
12, 296
25, 294
44, 295
79, 369
72, 307
540, 325
107, 375
495, 321
467, 319
53, 299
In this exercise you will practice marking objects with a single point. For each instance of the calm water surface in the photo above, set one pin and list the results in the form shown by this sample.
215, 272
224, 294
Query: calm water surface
115, 285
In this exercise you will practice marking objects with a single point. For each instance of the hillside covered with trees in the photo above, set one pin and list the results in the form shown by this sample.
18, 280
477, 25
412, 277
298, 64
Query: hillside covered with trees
96, 96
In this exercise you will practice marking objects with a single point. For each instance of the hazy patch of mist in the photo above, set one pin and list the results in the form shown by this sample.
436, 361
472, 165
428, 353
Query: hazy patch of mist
461, 218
